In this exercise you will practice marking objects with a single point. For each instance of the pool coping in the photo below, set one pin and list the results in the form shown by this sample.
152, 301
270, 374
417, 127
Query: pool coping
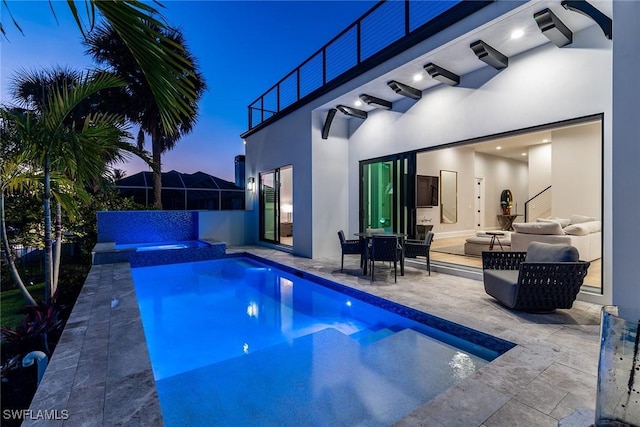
101, 373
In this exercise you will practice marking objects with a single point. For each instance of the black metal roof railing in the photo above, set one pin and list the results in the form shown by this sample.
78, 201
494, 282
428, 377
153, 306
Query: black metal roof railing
381, 28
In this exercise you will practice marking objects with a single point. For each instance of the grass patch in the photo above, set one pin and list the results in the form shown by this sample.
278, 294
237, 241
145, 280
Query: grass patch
12, 301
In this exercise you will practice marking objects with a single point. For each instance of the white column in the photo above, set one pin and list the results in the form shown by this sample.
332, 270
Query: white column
625, 257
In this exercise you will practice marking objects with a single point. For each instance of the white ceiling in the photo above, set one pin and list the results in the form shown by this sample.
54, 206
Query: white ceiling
456, 56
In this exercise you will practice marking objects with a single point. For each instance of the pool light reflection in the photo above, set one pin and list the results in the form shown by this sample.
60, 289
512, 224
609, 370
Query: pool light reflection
252, 309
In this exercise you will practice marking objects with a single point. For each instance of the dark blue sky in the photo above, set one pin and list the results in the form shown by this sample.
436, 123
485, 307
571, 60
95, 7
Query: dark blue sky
242, 48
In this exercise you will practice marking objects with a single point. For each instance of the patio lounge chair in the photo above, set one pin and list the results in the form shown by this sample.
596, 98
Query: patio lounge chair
544, 278
385, 248
349, 247
416, 248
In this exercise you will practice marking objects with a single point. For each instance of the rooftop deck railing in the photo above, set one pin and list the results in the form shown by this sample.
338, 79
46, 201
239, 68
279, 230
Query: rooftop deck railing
382, 26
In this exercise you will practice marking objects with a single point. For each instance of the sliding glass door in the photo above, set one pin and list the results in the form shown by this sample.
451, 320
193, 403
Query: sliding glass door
276, 206
387, 194
269, 206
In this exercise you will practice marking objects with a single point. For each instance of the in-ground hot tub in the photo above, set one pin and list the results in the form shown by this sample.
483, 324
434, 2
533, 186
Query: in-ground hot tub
158, 253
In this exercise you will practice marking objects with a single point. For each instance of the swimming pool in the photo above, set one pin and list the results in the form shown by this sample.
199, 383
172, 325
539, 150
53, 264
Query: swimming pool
239, 342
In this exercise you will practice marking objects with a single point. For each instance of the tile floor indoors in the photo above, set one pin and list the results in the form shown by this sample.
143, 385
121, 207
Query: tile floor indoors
549, 377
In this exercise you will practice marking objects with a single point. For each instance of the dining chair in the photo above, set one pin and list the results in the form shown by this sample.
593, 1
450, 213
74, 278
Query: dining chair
385, 248
416, 248
349, 247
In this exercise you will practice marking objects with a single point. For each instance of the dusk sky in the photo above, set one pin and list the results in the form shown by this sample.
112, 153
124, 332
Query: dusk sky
242, 49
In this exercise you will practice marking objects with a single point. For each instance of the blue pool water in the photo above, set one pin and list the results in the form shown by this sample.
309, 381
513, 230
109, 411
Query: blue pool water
161, 246
236, 342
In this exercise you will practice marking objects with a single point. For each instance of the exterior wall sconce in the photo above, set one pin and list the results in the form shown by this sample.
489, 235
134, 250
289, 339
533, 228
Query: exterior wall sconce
405, 90
489, 55
553, 28
327, 123
353, 112
442, 75
376, 102
251, 184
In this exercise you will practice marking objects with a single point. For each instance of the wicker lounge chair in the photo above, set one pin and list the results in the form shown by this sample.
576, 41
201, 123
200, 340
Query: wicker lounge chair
544, 278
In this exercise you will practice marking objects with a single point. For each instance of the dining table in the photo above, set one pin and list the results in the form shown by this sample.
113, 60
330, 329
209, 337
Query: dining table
366, 236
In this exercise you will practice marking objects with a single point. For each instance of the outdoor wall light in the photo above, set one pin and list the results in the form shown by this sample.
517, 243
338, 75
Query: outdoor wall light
442, 75
376, 102
405, 90
327, 123
353, 112
251, 184
489, 55
553, 28
588, 10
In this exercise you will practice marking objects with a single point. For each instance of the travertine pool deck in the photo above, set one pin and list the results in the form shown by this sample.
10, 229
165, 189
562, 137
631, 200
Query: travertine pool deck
100, 371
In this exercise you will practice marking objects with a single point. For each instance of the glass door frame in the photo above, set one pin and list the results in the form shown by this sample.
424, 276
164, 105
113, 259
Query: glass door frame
267, 223
403, 177
262, 197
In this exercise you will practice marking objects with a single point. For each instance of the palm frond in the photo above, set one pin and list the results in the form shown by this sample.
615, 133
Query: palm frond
140, 31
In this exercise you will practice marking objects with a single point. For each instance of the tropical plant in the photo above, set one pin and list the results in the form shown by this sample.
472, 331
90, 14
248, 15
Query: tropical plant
141, 27
117, 174
14, 176
110, 49
71, 146
41, 325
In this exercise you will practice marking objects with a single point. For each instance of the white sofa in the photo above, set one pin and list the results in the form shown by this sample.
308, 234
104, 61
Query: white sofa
579, 231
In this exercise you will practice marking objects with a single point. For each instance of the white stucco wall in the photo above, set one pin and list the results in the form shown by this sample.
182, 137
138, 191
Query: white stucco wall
501, 174
621, 201
331, 176
286, 142
577, 159
539, 168
231, 227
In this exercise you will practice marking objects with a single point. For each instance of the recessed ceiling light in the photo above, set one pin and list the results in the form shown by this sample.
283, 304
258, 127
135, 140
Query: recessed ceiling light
417, 77
516, 34
498, 148
357, 103
523, 154
546, 140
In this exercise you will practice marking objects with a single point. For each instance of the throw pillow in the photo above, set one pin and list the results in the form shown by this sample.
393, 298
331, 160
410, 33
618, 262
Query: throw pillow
583, 229
547, 252
538, 228
578, 219
562, 221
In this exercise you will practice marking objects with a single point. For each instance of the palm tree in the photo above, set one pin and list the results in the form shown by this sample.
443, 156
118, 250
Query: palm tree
118, 174
141, 26
15, 176
58, 139
107, 46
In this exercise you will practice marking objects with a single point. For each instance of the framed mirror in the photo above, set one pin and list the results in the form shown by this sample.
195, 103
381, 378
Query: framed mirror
448, 197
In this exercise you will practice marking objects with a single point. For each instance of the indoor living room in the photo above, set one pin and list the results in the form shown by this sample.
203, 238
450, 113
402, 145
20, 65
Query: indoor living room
552, 175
